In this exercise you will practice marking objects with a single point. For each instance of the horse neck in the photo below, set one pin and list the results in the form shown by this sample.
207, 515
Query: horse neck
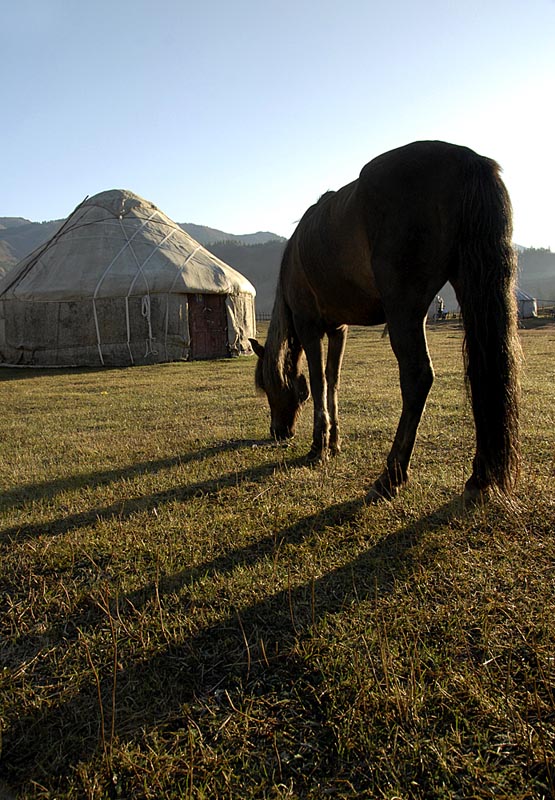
283, 349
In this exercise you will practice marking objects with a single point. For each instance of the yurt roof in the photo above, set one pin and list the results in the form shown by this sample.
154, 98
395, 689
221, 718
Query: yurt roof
118, 244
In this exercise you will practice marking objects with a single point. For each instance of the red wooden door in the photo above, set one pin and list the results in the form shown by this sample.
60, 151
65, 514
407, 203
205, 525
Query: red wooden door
208, 326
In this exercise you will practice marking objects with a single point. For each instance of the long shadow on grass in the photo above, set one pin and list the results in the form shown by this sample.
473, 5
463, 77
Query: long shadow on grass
159, 690
123, 509
15, 373
49, 489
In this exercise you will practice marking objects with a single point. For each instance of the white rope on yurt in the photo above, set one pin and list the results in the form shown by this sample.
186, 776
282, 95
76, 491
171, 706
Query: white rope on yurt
106, 271
145, 304
177, 274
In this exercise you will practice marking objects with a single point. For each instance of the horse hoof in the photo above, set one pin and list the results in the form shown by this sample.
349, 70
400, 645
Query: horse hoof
474, 494
316, 457
380, 492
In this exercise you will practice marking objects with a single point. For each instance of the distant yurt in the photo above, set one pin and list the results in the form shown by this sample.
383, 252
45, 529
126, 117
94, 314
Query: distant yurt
120, 283
526, 304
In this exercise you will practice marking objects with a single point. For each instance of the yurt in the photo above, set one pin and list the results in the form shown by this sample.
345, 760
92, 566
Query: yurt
527, 305
118, 284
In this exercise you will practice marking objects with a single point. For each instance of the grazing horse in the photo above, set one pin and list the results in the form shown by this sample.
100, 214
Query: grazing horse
379, 250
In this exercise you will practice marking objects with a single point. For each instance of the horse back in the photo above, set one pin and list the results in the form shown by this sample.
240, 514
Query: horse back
390, 235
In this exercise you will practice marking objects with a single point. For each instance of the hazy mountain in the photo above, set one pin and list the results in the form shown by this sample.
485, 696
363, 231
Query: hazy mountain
207, 236
19, 237
258, 262
537, 273
12, 222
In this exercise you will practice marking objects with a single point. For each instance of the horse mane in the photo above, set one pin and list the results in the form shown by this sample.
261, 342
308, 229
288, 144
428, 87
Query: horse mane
282, 349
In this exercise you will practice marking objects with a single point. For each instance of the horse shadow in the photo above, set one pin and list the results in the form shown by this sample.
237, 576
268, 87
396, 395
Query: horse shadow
49, 489
15, 373
123, 509
205, 661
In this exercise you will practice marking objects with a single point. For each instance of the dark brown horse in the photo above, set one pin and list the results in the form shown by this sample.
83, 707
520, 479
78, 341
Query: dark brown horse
379, 250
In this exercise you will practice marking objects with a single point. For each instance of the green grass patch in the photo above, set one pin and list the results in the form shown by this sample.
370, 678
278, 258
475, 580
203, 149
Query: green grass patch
187, 611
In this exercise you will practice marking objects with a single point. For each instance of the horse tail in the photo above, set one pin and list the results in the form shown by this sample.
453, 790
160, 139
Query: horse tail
485, 286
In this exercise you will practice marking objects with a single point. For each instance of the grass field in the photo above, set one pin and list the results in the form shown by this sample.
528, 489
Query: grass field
189, 612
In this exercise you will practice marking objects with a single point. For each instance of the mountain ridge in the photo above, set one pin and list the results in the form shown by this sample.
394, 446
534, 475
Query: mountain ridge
205, 235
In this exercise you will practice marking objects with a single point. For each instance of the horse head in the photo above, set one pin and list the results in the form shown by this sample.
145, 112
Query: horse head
286, 390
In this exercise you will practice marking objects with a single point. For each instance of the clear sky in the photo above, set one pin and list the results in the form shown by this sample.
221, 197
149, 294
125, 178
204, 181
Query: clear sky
238, 114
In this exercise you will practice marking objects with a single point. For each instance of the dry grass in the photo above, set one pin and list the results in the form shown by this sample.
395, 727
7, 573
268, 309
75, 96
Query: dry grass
188, 612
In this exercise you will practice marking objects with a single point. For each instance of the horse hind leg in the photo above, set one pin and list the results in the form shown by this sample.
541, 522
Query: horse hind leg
336, 349
408, 340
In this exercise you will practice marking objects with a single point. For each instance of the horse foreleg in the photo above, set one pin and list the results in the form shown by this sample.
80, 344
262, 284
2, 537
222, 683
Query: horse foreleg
336, 350
416, 377
312, 342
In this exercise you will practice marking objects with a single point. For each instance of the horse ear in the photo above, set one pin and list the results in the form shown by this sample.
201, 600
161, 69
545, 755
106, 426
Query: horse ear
302, 388
257, 347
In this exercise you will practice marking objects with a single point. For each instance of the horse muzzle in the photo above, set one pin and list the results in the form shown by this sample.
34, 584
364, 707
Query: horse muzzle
281, 432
